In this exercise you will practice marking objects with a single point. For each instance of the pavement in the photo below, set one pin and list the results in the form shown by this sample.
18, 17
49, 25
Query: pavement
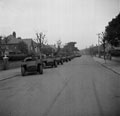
113, 64
7, 74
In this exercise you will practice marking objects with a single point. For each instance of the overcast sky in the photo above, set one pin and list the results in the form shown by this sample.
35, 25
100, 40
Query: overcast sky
68, 20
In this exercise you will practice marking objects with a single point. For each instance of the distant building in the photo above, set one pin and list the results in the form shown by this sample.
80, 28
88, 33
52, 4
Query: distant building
54, 47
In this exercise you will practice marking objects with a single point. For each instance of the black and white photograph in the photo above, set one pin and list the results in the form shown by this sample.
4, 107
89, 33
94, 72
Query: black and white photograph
59, 57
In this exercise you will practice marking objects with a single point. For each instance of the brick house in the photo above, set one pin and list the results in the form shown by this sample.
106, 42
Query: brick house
32, 45
11, 45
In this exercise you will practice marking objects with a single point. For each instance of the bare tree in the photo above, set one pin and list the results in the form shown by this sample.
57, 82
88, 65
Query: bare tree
40, 41
102, 41
58, 46
59, 42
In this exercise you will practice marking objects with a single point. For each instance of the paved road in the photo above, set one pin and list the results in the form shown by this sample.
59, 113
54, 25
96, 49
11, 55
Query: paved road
81, 87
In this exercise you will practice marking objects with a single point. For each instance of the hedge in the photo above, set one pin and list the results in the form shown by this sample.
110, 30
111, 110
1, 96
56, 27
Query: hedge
17, 57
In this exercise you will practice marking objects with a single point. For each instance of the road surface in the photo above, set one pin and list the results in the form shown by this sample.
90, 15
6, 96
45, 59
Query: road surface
81, 87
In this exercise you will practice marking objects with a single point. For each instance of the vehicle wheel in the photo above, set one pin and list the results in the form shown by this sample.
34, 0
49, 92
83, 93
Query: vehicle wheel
61, 62
44, 65
52, 65
40, 69
23, 71
55, 64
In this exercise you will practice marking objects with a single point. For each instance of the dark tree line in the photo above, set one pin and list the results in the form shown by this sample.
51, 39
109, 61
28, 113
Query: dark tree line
112, 31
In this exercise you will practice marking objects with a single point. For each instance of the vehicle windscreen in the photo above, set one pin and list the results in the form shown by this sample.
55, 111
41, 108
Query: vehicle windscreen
31, 59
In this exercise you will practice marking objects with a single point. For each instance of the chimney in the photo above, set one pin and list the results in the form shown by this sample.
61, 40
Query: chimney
14, 34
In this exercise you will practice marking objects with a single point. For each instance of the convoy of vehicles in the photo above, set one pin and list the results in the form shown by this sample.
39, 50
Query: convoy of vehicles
37, 64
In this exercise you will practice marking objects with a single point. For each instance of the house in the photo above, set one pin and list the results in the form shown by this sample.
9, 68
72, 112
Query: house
32, 45
11, 42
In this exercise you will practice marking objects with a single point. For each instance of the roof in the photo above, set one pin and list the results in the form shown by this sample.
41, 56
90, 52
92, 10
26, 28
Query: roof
29, 41
53, 46
11, 40
14, 41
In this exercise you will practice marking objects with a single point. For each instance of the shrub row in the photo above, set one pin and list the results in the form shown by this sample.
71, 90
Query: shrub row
17, 57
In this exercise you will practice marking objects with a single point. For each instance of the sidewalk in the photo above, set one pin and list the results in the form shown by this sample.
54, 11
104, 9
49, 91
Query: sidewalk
9, 73
113, 65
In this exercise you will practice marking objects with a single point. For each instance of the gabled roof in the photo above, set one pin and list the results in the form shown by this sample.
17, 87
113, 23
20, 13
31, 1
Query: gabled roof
14, 41
11, 37
53, 46
29, 41
11, 40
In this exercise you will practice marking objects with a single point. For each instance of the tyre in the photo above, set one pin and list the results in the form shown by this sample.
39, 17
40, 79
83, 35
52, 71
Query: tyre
58, 63
52, 65
40, 69
44, 65
23, 71
55, 64
61, 62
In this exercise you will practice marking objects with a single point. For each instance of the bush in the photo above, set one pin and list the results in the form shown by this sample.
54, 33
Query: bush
17, 57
